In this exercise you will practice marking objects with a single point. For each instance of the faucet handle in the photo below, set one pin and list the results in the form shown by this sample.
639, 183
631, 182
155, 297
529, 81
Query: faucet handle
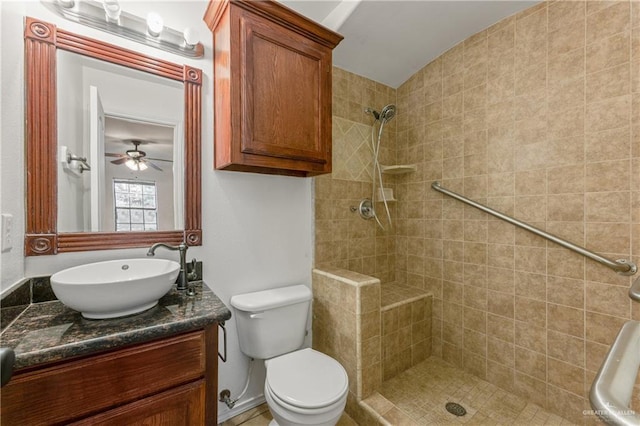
192, 275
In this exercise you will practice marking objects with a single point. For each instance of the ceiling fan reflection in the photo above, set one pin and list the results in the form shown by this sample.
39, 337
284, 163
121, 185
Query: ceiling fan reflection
136, 159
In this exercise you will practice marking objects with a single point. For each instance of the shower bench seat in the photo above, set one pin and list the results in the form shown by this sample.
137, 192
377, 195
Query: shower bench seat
406, 327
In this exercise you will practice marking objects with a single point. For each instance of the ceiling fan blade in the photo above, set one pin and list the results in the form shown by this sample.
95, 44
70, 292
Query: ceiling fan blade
159, 159
113, 154
120, 160
152, 165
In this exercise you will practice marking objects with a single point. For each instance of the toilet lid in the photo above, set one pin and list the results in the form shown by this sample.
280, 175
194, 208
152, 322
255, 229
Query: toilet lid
307, 379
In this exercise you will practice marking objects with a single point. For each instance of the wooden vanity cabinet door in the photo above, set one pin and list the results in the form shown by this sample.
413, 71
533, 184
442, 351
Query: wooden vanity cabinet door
285, 97
180, 406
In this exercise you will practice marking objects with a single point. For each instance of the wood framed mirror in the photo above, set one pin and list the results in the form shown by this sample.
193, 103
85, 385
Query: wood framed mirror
42, 42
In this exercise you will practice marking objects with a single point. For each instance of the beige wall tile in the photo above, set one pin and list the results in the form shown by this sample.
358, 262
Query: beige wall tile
566, 320
605, 298
530, 311
566, 348
608, 52
566, 376
608, 83
603, 328
565, 291
531, 388
533, 286
568, 66
530, 182
608, 114
565, 207
561, 401
500, 328
609, 237
566, 179
567, 37
530, 337
560, 13
501, 304
607, 206
609, 21
531, 363
608, 175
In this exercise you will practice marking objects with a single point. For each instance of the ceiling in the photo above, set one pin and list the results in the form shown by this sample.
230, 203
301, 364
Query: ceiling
390, 40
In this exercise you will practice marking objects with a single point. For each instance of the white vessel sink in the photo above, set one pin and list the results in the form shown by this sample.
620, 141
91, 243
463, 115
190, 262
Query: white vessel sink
115, 288
612, 388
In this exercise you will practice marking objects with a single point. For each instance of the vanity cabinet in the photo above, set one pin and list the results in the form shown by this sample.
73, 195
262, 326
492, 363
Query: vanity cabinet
168, 381
272, 82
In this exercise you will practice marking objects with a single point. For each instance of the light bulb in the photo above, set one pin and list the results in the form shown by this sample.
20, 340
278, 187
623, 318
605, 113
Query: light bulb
67, 4
112, 9
136, 165
154, 24
191, 37
131, 163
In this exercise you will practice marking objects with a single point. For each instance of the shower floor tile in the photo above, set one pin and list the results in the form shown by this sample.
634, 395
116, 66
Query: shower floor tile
418, 397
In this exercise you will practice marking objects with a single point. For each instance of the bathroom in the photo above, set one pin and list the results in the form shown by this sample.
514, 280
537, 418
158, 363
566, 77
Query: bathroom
536, 116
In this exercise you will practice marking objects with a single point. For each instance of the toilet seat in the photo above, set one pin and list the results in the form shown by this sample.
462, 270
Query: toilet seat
306, 380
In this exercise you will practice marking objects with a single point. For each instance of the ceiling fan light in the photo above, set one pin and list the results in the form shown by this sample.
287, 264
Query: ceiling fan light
136, 165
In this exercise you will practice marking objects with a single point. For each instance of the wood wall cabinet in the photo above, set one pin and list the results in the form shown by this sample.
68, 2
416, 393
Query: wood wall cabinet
272, 73
172, 381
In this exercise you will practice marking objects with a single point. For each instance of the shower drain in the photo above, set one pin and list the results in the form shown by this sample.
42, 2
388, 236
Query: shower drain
455, 409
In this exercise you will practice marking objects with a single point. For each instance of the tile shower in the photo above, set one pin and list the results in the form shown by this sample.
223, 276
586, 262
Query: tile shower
537, 116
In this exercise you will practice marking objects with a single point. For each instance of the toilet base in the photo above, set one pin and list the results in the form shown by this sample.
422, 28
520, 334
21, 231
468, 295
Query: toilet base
285, 417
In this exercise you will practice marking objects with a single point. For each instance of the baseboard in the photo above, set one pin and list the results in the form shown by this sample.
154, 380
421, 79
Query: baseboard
241, 408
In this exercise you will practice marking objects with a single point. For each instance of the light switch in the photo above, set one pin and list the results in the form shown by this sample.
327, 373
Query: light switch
6, 231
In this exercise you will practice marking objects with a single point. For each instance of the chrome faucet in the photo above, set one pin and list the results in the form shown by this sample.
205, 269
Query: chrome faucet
182, 248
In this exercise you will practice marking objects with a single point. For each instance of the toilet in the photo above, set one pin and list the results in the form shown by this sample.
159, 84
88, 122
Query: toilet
302, 386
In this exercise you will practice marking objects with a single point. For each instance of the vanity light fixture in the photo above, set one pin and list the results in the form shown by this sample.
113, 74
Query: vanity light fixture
107, 15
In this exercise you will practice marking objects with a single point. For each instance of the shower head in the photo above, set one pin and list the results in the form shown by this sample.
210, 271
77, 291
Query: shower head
388, 112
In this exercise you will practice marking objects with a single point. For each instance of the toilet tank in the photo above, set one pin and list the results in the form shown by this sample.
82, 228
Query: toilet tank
272, 322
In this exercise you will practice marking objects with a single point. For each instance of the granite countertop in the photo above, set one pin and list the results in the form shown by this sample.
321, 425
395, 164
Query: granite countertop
50, 331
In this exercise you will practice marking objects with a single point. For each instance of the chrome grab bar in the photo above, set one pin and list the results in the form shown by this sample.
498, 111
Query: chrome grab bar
621, 266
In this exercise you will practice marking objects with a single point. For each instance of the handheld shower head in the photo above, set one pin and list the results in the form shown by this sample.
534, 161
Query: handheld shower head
388, 112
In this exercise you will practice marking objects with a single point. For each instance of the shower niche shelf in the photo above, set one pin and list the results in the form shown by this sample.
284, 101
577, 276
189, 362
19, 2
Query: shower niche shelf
399, 169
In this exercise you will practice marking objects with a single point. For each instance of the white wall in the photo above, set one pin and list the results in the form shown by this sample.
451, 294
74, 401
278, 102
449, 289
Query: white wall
257, 230
12, 139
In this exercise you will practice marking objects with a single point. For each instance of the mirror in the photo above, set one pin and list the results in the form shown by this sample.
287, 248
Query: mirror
106, 169
128, 125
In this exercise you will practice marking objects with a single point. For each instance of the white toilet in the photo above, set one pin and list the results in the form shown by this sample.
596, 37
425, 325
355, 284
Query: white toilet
303, 386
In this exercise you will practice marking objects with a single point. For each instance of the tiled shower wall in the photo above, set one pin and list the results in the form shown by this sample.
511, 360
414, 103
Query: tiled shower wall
537, 116
343, 239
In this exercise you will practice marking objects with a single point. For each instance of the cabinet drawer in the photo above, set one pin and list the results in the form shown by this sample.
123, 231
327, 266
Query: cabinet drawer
182, 406
79, 388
